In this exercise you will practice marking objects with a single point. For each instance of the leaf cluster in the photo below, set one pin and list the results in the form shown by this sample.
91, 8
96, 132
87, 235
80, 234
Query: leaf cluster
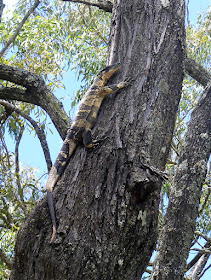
18, 195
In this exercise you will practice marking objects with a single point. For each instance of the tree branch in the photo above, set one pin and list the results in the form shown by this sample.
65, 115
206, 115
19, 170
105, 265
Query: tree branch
36, 93
103, 5
178, 230
17, 169
12, 38
39, 131
21, 77
13, 93
5, 152
197, 72
198, 267
5, 259
202, 273
1, 8
204, 236
203, 251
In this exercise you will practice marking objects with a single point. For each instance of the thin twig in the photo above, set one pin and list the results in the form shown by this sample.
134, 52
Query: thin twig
103, 5
5, 151
17, 169
203, 236
95, 30
203, 251
7, 217
39, 131
36, 3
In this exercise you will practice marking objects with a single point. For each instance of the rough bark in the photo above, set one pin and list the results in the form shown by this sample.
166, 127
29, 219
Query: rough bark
107, 200
196, 271
36, 92
179, 222
197, 72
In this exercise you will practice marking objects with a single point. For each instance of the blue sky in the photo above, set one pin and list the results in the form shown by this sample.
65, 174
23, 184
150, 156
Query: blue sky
196, 7
30, 151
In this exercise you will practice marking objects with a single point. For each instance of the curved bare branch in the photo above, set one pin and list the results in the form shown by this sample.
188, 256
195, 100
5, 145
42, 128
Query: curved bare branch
13, 93
39, 131
36, 92
21, 77
197, 72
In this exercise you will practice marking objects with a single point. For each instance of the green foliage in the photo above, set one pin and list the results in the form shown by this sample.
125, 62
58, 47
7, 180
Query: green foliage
58, 36
18, 196
199, 40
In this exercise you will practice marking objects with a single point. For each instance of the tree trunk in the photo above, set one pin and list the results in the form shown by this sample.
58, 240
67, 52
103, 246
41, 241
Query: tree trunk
108, 198
179, 222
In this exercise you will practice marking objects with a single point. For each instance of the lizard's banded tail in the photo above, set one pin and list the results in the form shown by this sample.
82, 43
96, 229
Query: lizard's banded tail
54, 175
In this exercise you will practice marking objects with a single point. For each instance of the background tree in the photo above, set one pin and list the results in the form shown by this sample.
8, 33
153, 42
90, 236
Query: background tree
125, 172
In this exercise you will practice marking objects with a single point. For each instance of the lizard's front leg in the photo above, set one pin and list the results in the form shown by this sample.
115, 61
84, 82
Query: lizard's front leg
115, 87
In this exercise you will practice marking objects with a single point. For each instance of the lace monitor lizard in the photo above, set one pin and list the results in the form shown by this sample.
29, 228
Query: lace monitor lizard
80, 130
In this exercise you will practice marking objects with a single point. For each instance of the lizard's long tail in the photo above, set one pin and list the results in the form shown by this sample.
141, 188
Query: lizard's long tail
52, 213
55, 173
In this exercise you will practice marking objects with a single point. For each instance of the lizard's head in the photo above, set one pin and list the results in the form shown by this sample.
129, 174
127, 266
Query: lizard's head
105, 74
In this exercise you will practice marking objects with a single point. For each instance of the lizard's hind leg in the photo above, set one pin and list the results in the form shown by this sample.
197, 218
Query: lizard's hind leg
87, 139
